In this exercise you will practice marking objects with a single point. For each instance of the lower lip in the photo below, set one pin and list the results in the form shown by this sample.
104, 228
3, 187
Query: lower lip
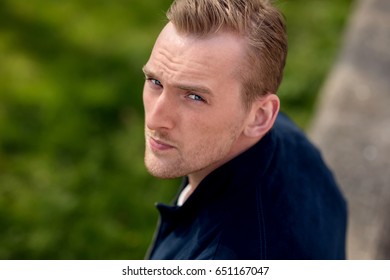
157, 146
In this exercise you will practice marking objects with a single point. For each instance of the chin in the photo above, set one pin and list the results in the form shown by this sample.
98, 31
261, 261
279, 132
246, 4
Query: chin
161, 171
162, 174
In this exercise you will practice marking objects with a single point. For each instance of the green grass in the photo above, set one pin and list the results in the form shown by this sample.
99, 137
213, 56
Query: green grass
72, 180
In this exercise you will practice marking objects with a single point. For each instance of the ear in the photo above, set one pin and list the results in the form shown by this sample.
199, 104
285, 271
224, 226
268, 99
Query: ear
262, 115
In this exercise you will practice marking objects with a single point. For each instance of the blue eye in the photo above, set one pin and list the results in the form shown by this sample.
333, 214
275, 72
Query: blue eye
195, 97
155, 82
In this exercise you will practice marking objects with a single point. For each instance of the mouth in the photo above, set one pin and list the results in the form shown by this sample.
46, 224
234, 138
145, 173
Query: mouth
158, 145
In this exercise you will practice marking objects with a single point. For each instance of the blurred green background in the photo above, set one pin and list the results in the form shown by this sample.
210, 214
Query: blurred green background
72, 180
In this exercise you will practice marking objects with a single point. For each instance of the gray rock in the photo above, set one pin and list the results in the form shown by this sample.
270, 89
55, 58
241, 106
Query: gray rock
352, 128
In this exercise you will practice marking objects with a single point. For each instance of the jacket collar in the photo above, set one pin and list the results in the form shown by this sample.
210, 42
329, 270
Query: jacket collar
229, 180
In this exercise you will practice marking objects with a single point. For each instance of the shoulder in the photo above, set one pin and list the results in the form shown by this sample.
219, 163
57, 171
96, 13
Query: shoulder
295, 156
304, 210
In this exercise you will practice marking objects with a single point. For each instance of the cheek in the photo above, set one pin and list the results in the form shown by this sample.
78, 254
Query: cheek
147, 99
230, 119
213, 128
144, 93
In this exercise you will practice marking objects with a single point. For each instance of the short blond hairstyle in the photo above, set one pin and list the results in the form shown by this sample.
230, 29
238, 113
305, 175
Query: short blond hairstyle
258, 21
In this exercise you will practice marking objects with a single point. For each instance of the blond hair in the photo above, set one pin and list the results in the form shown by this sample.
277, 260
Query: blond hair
258, 21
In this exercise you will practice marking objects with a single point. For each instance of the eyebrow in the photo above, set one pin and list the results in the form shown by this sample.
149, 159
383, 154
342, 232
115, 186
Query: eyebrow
194, 88
146, 71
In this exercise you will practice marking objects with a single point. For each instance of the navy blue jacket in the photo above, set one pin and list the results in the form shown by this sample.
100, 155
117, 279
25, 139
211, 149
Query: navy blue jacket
276, 200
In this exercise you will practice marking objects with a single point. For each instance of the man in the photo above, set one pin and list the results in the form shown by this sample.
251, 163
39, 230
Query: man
253, 187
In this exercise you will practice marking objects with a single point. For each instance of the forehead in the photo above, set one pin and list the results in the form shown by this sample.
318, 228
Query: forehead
184, 56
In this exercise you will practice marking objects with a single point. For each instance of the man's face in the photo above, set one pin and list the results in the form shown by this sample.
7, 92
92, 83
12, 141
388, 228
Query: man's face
194, 114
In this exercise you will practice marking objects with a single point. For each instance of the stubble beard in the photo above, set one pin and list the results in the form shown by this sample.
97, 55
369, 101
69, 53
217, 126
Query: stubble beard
177, 163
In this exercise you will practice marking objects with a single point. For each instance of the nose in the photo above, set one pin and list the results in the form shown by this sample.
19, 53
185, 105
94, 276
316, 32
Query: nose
159, 111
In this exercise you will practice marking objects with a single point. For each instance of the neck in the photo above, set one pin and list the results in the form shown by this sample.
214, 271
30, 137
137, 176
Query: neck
194, 179
197, 177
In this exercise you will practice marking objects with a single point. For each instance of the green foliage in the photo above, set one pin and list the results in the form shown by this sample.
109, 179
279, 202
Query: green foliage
315, 32
72, 180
